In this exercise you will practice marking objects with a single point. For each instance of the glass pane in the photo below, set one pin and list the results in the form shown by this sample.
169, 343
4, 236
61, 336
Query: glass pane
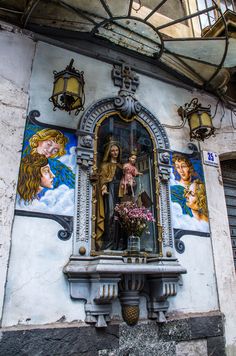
125, 165
73, 85
167, 9
77, 102
58, 86
194, 121
206, 119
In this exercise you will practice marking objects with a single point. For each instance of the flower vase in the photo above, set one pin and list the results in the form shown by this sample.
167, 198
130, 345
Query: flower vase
133, 245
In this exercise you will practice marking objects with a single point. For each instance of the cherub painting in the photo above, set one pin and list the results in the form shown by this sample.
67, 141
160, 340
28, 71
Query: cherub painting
35, 174
188, 195
49, 142
47, 171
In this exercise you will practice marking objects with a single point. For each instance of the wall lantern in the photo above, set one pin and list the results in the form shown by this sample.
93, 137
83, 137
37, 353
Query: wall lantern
68, 89
199, 119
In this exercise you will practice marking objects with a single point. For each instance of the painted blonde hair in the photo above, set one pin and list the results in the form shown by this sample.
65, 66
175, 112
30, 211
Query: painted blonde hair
201, 196
49, 134
30, 176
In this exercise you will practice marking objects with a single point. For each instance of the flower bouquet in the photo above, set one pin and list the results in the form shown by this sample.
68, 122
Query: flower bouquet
134, 220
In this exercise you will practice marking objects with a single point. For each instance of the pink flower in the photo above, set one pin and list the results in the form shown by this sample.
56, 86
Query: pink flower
134, 219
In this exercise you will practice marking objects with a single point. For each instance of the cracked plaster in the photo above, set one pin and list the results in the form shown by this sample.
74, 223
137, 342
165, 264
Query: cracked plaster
16, 53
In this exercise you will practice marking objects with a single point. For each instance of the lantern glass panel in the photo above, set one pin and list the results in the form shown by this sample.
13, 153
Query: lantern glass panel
77, 103
206, 119
58, 86
72, 85
194, 121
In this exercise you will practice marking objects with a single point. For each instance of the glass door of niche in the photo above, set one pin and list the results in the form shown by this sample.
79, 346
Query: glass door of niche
126, 168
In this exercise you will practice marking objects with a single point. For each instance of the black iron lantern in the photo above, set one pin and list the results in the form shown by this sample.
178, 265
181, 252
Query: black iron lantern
199, 119
68, 90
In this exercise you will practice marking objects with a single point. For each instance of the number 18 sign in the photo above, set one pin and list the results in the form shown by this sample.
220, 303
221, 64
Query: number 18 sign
211, 158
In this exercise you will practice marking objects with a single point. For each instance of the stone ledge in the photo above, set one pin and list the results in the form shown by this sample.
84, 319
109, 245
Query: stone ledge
117, 339
216, 346
206, 326
195, 326
58, 341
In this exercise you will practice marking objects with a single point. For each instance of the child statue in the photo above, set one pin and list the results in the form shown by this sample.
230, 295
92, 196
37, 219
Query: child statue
130, 171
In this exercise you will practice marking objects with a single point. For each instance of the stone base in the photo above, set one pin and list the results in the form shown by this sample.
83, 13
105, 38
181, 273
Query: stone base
188, 336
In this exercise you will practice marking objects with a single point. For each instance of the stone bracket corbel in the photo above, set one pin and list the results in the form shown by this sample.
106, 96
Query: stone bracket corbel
102, 279
158, 290
98, 292
164, 164
85, 149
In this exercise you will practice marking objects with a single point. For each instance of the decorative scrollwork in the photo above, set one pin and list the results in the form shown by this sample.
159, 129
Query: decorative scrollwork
64, 235
192, 147
127, 105
32, 115
65, 221
124, 77
179, 246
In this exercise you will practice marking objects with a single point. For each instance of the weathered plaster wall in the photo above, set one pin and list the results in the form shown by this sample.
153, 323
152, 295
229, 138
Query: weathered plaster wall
224, 144
42, 286
37, 291
16, 56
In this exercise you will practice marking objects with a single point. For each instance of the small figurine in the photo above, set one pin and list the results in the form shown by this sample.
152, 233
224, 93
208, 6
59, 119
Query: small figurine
130, 171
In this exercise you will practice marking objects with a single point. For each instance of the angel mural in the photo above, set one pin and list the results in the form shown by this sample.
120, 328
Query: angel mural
49, 142
196, 200
188, 195
47, 172
183, 176
35, 174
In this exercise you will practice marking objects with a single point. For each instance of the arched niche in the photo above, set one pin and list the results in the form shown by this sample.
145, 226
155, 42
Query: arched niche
88, 152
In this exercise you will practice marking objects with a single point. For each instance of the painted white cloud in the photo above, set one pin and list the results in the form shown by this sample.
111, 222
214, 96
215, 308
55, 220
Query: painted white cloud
186, 222
70, 159
173, 181
57, 201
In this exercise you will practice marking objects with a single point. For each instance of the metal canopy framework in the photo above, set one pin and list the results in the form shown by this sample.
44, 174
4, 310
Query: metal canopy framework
148, 27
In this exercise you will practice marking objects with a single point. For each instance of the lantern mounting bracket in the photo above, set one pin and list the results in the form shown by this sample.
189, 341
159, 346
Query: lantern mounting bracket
68, 89
199, 119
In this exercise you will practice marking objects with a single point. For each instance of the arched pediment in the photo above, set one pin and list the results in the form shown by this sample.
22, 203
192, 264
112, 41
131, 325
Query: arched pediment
106, 107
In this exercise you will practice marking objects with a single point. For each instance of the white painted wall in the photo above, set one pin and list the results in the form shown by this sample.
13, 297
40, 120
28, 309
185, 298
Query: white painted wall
16, 55
197, 290
224, 145
42, 287
37, 290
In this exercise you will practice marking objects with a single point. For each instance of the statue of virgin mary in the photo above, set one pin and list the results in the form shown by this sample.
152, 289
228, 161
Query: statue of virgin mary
109, 176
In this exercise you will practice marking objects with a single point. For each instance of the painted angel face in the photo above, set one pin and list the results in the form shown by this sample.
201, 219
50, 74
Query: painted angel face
184, 170
46, 177
191, 197
48, 148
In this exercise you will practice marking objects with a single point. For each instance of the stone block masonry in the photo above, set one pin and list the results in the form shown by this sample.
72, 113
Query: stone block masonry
192, 335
